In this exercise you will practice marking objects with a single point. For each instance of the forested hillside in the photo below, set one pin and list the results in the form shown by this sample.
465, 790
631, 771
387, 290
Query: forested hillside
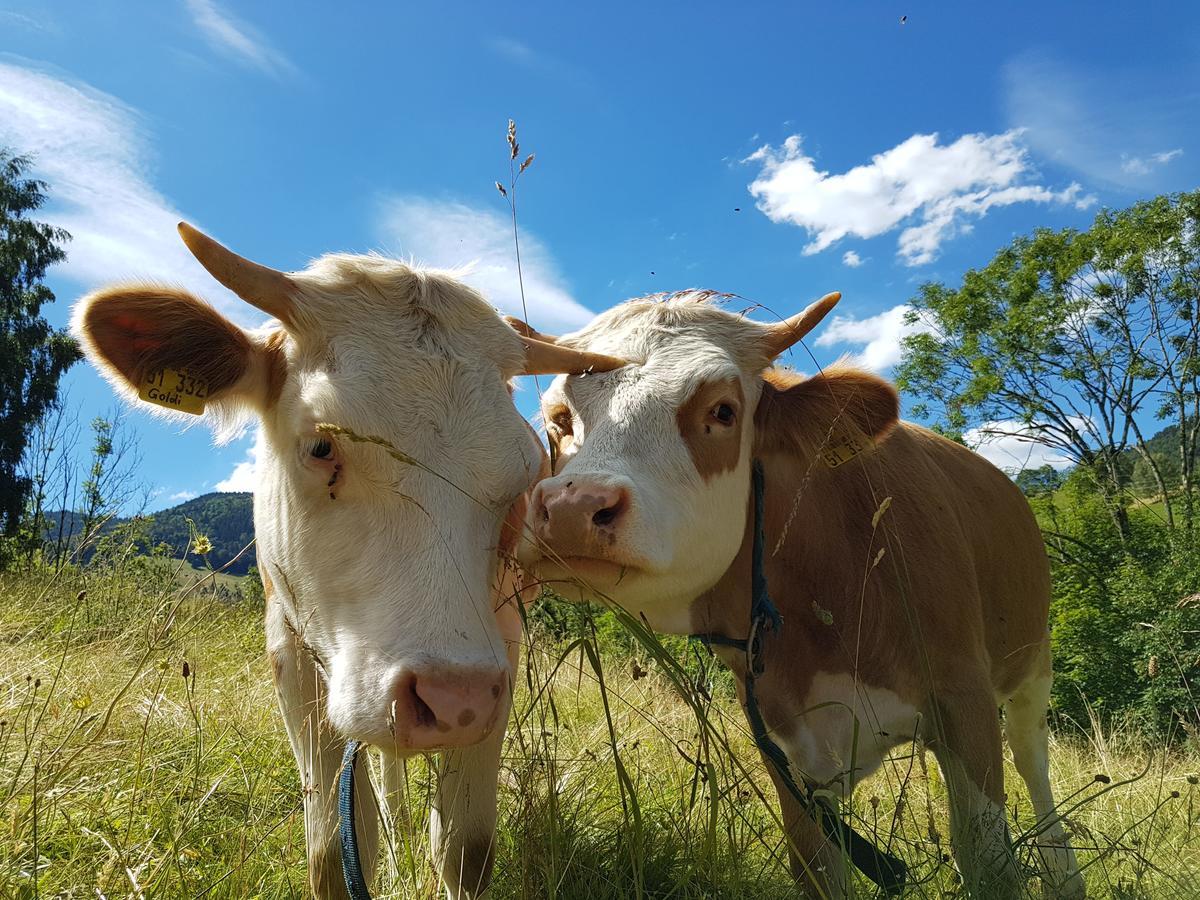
226, 519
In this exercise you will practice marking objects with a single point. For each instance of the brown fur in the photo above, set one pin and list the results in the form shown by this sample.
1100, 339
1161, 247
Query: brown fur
806, 414
139, 330
952, 616
558, 434
713, 447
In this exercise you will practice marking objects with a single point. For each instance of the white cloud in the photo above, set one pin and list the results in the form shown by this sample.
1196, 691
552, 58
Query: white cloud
931, 186
182, 496
242, 477
879, 336
851, 259
449, 235
1137, 165
1010, 446
238, 40
91, 149
1105, 124
512, 50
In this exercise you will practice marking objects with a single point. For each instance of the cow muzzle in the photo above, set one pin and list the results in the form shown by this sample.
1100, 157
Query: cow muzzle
440, 707
578, 516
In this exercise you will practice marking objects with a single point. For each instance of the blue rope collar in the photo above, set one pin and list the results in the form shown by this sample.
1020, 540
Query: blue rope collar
352, 873
884, 869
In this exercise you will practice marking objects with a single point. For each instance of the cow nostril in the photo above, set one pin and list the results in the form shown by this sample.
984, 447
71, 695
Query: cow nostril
545, 513
424, 715
604, 517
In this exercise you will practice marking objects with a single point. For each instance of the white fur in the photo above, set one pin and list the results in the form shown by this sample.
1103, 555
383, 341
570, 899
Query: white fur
846, 730
401, 568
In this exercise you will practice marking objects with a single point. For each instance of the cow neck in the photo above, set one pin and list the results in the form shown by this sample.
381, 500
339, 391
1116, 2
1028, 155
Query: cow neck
886, 870
352, 868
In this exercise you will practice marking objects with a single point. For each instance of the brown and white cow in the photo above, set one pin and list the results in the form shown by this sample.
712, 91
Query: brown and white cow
388, 618
911, 576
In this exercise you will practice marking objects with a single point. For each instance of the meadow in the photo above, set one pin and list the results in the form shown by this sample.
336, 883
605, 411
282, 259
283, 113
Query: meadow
141, 755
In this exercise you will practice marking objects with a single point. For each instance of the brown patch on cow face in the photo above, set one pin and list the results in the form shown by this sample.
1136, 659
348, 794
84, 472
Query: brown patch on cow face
559, 433
710, 423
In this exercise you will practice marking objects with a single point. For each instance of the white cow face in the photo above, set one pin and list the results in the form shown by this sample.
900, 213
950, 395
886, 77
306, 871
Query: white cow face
386, 569
648, 501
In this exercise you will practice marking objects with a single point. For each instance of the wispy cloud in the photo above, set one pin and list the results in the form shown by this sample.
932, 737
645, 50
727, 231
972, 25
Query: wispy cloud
852, 259
512, 50
182, 496
879, 336
1137, 165
1108, 125
92, 149
933, 189
238, 40
450, 235
28, 22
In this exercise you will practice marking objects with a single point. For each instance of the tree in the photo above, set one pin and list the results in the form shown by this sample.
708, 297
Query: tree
33, 356
1043, 480
1072, 339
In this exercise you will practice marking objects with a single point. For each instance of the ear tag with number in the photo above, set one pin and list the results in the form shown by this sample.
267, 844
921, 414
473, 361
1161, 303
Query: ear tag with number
174, 389
842, 453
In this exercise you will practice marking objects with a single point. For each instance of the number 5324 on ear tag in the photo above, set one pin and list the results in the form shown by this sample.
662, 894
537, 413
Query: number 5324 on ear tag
174, 389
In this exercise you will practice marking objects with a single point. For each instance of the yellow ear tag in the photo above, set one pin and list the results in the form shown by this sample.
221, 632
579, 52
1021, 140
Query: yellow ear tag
843, 453
174, 389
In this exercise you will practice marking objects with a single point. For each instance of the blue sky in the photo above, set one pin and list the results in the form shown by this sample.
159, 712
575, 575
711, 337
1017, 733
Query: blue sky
776, 151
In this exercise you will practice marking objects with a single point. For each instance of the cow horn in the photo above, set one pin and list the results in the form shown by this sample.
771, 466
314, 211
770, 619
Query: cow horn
782, 335
269, 290
542, 358
523, 328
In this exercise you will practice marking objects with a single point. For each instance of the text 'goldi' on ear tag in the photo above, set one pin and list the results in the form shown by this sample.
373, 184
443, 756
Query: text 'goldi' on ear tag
174, 389
844, 452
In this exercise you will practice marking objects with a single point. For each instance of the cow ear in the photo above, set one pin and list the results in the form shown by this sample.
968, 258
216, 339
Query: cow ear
810, 415
173, 350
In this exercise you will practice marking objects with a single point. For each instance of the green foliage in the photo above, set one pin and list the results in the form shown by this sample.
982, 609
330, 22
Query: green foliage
251, 589
1043, 480
226, 519
1071, 337
561, 621
1125, 617
33, 356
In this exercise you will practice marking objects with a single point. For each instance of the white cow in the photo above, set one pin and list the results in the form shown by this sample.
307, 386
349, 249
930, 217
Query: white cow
388, 615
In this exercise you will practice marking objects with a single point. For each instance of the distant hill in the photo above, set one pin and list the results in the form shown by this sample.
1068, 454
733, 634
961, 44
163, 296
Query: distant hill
226, 519
1135, 473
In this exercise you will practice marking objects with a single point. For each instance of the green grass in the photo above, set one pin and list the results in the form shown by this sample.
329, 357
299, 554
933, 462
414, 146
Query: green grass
119, 777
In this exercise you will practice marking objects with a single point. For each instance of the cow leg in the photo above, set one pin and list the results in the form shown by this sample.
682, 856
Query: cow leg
817, 863
318, 751
462, 823
968, 748
1028, 737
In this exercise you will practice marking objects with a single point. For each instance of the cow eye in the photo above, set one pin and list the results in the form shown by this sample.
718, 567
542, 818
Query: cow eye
724, 413
322, 449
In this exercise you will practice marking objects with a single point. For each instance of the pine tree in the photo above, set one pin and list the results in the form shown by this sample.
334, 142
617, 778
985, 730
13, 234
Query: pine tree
33, 356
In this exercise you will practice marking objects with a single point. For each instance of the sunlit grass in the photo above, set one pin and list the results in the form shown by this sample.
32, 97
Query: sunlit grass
119, 776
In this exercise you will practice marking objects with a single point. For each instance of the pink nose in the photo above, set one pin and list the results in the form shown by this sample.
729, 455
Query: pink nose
578, 516
438, 708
